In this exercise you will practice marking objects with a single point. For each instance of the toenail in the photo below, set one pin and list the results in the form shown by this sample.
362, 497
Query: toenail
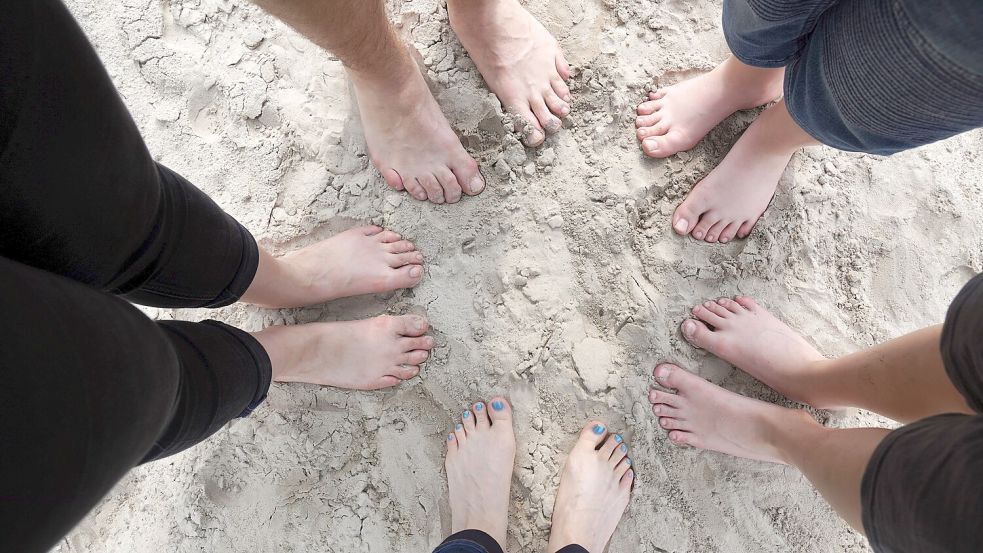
662, 373
458, 426
628, 461
624, 448
419, 256
466, 414
478, 406
564, 110
450, 437
477, 184
497, 405
689, 327
617, 438
664, 422
698, 234
598, 429
651, 143
415, 272
681, 226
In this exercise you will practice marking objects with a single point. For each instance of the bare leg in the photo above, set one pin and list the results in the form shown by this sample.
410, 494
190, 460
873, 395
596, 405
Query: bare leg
703, 415
729, 201
903, 379
363, 260
409, 139
519, 59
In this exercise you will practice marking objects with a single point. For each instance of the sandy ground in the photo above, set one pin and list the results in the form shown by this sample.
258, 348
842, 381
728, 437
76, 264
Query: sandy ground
560, 286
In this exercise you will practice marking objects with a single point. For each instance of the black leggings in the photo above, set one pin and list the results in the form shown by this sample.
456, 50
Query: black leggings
476, 541
88, 220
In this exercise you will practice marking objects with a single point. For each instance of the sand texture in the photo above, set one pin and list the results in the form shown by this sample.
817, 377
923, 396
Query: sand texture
560, 286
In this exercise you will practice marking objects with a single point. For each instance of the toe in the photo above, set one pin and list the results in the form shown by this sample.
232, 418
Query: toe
619, 453
670, 423
412, 344
663, 410
697, 333
460, 434
703, 313
401, 246
717, 309
665, 145
729, 233
731, 305
627, 480
557, 106
745, 229
658, 94
406, 372
406, 276
658, 129
415, 357
664, 398
609, 445
561, 89
706, 221
403, 259
747, 303
432, 187
468, 419
647, 120
500, 410
415, 188
480, 411
623, 466
592, 435
451, 188
452, 443
387, 236
370, 230
562, 67
393, 180
411, 325
547, 120
686, 216
670, 376
527, 126
679, 437
648, 108
714, 231
468, 176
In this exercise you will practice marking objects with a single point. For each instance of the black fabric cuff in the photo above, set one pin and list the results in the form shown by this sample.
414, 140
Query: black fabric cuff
469, 541
962, 343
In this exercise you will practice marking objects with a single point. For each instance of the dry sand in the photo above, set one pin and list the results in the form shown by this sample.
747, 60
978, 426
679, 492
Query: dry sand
560, 286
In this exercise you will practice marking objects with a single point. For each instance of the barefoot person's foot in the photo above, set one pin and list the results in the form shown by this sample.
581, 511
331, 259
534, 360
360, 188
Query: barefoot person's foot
363, 260
729, 201
410, 141
700, 414
519, 59
480, 455
594, 488
361, 355
747, 336
675, 118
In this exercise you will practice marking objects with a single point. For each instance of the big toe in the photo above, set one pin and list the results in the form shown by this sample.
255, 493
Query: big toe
592, 435
500, 411
687, 215
664, 146
673, 377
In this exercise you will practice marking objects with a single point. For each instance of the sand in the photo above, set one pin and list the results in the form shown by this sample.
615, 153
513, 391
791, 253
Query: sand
560, 286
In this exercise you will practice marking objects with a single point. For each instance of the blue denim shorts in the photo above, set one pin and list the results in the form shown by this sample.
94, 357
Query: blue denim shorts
875, 76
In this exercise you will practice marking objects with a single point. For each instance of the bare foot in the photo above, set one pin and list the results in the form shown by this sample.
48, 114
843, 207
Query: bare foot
594, 489
410, 141
363, 260
361, 355
729, 201
701, 414
519, 59
747, 336
676, 117
480, 455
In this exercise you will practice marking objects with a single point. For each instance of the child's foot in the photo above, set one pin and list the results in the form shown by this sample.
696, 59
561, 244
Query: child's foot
594, 489
410, 141
519, 59
729, 201
363, 260
480, 455
360, 355
676, 117
704, 415
747, 336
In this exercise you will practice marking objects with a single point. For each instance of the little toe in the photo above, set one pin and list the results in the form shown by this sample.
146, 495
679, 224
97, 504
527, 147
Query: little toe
411, 325
480, 411
547, 120
415, 357
592, 435
500, 410
626, 481
697, 333
398, 260
451, 188
393, 180
557, 106
452, 443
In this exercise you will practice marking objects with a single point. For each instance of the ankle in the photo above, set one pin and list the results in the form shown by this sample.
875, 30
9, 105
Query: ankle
758, 84
793, 435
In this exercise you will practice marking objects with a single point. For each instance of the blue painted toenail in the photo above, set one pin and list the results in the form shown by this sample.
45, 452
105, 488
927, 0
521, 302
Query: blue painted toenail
497, 405
467, 414
458, 427
617, 438
628, 461
478, 406
450, 437
598, 429
624, 448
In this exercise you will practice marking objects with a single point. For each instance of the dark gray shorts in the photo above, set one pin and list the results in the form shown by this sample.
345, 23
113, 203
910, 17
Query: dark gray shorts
875, 76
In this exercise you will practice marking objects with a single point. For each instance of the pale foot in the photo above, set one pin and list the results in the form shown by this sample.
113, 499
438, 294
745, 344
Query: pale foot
594, 489
700, 414
729, 201
363, 260
676, 117
410, 141
480, 456
747, 336
519, 59
361, 355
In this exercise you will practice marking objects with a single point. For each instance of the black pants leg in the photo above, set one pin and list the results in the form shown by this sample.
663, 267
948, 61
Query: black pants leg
92, 387
476, 541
